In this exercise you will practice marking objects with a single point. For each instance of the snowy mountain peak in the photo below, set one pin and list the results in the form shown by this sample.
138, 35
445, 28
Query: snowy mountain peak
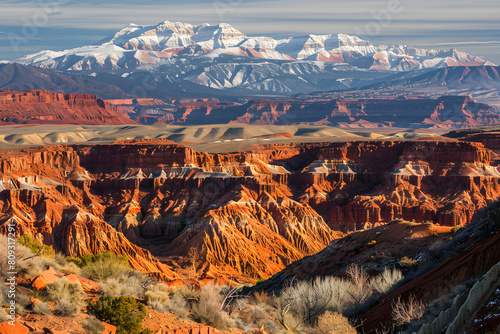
155, 45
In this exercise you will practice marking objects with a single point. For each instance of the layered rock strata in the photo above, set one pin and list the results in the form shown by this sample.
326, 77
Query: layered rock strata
242, 215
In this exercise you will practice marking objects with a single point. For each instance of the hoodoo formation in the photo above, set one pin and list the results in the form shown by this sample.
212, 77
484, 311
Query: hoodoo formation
247, 214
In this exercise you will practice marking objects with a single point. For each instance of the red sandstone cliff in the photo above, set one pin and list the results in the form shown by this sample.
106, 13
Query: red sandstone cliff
43, 107
39, 197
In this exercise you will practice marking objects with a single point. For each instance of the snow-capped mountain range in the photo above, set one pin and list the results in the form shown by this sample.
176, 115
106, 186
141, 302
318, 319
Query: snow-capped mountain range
222, 57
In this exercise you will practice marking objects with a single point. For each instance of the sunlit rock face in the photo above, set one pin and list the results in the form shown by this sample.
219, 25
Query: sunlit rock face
246, 214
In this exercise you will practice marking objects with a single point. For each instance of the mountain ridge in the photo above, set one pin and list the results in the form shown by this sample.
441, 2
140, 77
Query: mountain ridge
222, 57
149, 44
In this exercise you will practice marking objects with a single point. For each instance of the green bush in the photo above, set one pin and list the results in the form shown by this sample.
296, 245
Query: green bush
123, 312
102, 266
36, 246
455, 229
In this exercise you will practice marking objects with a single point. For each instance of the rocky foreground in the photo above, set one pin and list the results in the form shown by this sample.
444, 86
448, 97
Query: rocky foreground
175, 212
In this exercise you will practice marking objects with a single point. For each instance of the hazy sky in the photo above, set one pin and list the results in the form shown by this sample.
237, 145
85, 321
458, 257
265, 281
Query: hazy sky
472, 26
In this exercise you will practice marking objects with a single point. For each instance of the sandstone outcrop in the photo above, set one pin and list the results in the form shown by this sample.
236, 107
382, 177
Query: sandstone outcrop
43, 107
17, 328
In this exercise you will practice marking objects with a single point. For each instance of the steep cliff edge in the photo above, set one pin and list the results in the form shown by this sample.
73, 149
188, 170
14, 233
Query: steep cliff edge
43, 107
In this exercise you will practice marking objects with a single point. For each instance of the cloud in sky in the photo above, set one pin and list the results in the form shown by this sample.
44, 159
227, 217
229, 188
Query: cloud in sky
67, 23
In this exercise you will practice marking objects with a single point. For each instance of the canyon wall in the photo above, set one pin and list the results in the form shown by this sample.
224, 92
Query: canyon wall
447, 112
245, 214
43, 107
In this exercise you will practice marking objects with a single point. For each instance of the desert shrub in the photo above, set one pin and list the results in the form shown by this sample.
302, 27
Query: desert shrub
36, 246
334, 323
67, 297
66, 307
29, 264
299, 305
93, 326
123, 312
24, 259
209, 308
435, 250
360, 290
455, 229
22, 303
61, 264
178, 306
188, 292
158, 297
255, 312
30, 267
161, 298
386, 281
158, 292
124, 285
35, 265
80, 261
164, 299
42, 308
291, 320
261, 298
3, 313
407, 262
102, 266
404, 312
